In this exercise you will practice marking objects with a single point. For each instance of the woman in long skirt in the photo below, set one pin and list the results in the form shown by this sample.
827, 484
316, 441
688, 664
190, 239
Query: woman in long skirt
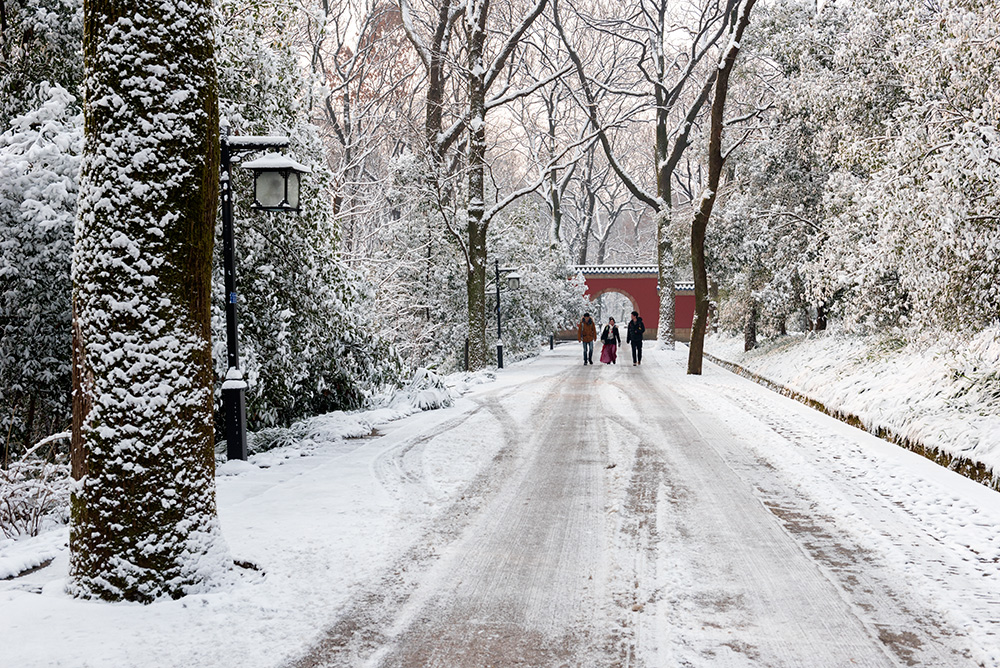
611, 339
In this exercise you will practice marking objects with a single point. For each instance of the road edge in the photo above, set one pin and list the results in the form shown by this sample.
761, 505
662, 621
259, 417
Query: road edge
970, 468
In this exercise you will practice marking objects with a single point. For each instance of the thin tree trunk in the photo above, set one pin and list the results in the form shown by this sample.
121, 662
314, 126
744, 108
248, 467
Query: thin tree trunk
588, 219
750, 328
143, 518
555, 197
700, 223
29, 422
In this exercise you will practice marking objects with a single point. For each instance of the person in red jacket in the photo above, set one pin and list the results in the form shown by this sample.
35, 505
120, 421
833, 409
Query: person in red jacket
586, 332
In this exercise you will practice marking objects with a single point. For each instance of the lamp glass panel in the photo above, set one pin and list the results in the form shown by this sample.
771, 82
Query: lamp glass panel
513, 282
293, 190
269, 189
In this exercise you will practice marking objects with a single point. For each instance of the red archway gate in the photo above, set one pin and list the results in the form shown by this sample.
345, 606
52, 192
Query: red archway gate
638, 283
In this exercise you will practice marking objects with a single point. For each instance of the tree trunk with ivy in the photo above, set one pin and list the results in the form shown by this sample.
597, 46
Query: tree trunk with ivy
144, 521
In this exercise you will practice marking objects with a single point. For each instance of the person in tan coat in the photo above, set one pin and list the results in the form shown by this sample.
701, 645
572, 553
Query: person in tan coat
586, 332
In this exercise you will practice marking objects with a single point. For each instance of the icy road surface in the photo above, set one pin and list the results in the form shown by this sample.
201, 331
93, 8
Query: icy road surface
633, 516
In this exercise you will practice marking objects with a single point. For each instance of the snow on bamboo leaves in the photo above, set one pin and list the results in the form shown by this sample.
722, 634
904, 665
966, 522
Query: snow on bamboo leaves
143, 514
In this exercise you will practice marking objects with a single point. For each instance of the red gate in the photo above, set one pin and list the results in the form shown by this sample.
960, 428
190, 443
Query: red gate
638, 284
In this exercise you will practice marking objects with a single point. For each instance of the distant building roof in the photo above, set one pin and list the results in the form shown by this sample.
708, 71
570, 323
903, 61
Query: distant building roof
617, 268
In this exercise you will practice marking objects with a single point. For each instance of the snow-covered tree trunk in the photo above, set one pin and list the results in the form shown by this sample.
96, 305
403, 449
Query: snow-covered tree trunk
666, 276
477, 226
666, 279
144, 521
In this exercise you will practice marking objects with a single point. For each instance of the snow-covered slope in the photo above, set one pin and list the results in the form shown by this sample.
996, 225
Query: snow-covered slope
941, 396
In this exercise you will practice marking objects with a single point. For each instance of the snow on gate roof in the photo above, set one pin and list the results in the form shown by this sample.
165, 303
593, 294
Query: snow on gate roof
617, 268
632, 270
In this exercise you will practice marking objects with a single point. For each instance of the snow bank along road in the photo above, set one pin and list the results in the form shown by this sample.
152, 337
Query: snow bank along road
633, 516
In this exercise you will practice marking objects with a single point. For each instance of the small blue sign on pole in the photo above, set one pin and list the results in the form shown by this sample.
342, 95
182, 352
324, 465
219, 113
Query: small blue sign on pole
232, 297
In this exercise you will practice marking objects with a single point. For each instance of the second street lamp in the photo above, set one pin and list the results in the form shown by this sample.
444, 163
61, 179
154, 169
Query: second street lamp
276, 188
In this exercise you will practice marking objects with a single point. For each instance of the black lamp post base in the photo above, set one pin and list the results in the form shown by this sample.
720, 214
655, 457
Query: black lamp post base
234, 407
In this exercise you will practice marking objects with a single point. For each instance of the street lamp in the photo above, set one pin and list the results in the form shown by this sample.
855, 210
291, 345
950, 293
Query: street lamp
276, 180
276, 188
513, 283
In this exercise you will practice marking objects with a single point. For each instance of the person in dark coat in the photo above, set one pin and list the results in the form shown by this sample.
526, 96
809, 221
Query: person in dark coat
611, 338
634, 336
586, 333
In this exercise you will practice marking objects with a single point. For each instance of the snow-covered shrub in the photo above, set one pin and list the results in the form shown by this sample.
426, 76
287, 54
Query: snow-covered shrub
426, 390
32, 493
35, 490
41, 42
39, 160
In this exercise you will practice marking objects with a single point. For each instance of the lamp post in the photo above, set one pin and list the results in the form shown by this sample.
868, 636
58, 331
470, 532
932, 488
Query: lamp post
513, 283
276, 188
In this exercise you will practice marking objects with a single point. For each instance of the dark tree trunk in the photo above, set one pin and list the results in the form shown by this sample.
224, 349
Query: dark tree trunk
750, 329
820, 317
3, 29
588, 212
143, 518
29, 422
436, 81
700, 223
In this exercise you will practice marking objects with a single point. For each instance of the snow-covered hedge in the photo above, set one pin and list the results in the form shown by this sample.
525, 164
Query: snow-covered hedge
425, 391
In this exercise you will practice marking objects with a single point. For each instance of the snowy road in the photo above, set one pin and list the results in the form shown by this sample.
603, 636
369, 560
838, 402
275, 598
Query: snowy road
637, 517
566, 516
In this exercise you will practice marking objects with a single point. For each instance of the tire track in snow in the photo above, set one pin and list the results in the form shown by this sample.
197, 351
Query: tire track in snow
775, 581
365, 624
398, 468
521, 587
736, 589
898, 544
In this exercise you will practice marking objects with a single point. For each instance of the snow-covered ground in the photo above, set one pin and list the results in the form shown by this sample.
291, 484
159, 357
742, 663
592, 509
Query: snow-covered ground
622, 515
943, 394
